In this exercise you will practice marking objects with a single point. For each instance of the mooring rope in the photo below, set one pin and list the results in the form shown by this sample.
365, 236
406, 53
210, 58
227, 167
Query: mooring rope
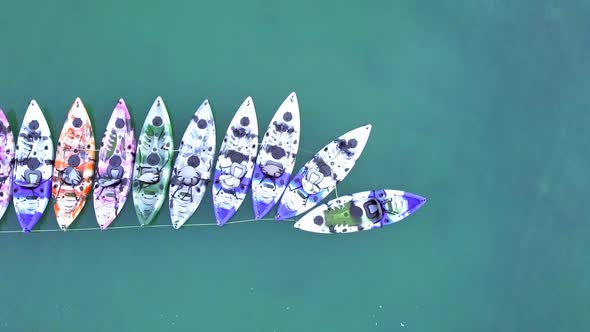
135, 226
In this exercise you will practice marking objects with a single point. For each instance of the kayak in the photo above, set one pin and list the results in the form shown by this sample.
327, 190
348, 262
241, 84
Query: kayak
74, 165
33, 168
192, 168
362, 211
153, 160
276, 157
115, 166
319, 176
6, 163
235, 164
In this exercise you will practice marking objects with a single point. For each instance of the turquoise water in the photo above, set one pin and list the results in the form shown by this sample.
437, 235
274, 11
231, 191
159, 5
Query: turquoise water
480, 106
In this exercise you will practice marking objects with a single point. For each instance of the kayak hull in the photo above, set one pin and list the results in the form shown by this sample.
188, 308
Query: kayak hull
361, 212
193, 166
115, 166
74, 165
276, 158
153, 161
33, 168
319, 176
235, 163
6, 163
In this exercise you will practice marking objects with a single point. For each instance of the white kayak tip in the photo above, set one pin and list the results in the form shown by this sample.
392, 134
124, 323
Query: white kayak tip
34, 109
204, 109
121, 101
248, 104
293, 96
361, 129
368, 127
78, 101
159, 100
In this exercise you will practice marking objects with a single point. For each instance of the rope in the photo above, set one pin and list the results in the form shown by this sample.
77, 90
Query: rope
134, 226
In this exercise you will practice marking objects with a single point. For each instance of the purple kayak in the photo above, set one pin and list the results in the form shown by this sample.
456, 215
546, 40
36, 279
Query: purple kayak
6, 163
235, 164
115, 166
33, 168
276, 157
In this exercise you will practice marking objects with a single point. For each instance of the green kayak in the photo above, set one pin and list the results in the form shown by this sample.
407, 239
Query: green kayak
153, 162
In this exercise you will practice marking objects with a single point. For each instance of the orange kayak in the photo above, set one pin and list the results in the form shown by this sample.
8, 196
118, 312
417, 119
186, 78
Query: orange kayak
74, 165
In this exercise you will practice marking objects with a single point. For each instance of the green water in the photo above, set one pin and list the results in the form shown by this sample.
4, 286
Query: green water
480, 106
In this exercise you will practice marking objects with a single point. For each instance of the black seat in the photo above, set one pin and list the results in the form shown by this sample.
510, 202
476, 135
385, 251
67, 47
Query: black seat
373, 209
